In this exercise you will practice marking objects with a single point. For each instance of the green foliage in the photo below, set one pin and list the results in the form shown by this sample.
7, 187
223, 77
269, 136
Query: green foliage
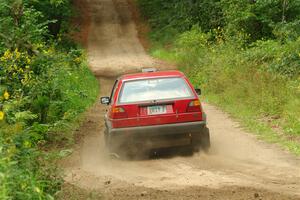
19, 27
262, 19
177, 16
47, 92
27, 22
193, 40
248, 63
255, 20
57, 11
45, 85
276, 58
23, 174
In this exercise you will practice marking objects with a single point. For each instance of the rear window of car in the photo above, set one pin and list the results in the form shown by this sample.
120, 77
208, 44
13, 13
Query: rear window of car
154, 89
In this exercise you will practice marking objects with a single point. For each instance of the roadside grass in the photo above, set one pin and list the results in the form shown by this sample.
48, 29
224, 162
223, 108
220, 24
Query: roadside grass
251, 122
163, 54
267, 104
158, 51
81, 91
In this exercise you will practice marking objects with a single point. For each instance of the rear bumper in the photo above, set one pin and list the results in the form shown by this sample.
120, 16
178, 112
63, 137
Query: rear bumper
152, 137
158, 130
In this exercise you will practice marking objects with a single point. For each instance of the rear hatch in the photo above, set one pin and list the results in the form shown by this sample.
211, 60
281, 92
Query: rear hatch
157, 101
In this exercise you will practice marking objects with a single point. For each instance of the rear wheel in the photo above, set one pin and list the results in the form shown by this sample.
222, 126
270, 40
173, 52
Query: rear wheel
201, 140
118, 149
109, 142
205, 140
196, 142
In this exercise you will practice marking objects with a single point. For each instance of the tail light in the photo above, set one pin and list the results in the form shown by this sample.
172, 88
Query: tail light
194, 106
118, 113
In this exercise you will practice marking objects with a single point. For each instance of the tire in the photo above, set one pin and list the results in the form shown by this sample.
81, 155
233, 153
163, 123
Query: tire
114, 148
205, 140
196, 142
106, 139
201, 141
108, 142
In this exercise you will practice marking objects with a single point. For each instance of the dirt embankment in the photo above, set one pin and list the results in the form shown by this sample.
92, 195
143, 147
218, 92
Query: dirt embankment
238, 166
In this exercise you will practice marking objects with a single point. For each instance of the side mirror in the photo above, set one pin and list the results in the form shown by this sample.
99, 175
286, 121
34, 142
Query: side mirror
105, 100
198, 91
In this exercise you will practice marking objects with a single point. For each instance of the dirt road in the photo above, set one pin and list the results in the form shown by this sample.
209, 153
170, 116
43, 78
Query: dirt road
237, 167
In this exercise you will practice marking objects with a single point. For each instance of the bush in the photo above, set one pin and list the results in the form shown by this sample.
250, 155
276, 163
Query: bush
172, 17
23, 174
40, 95
263, 79
277, 58
45, 85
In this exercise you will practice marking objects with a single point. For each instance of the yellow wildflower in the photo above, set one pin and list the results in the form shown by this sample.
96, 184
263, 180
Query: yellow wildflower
37, 190
1, 115
6, 95
45, 52
17, 53
23, 185
77, 60
28, 60
6, 56
51, 50
27, 144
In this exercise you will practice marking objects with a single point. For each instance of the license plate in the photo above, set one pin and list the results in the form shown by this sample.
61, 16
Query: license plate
156, 110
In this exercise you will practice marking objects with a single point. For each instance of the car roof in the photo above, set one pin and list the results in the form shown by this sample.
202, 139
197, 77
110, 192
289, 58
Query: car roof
157, 74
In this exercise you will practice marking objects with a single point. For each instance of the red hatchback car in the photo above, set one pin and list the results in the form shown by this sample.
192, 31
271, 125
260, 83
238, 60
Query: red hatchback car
153, 110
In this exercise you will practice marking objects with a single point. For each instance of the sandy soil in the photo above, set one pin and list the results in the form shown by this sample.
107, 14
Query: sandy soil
237, 167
